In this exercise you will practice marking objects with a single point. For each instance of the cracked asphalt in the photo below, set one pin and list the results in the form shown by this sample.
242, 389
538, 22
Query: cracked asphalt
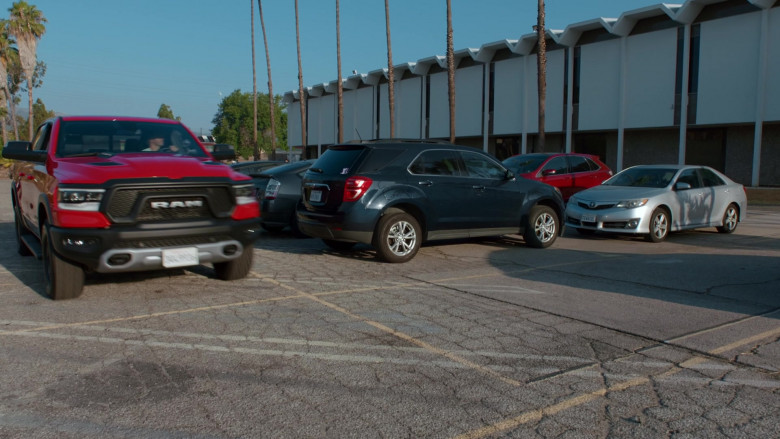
594, 337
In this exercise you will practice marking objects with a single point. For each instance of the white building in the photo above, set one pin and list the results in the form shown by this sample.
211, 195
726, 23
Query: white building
617, 88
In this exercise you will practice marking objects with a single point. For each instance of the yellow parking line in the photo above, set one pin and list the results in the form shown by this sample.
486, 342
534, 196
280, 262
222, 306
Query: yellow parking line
538, 414
150, 315
403, 336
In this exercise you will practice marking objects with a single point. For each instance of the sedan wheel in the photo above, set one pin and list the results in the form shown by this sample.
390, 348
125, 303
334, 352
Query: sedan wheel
730, 219
397, 237
542, 227
659, 225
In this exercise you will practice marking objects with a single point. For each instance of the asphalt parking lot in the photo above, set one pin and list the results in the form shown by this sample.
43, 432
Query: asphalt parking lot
593, 337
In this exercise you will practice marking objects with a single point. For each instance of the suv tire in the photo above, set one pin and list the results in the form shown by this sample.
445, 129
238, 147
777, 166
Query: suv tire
397, 237
542, 229
63, 279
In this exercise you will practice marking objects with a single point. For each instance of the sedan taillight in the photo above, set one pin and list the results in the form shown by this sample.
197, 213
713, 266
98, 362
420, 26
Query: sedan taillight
355, 187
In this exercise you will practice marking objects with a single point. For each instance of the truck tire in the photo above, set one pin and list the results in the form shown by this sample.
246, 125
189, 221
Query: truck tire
63, 279
20, 230
237, 268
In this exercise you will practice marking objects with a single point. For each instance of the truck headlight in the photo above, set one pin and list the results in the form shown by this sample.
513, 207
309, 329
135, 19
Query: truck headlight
245, 194
85, 200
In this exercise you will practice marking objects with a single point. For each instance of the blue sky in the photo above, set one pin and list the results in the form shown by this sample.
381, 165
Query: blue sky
108, 57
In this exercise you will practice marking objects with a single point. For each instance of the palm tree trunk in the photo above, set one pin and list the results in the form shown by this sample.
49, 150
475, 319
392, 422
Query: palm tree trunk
301, 92
450, 71
3, 120
340, 86
271, 104
541, 66
390, 71
12, 112
255, 149
30, 122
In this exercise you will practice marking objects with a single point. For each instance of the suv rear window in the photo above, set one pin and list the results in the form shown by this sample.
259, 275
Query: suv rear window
339, 159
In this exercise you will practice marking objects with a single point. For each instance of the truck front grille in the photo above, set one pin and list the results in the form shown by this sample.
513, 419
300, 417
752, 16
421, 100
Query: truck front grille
155, 204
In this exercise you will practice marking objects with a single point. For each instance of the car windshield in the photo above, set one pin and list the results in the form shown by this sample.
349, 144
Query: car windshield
525, 163
89, 138
643, 177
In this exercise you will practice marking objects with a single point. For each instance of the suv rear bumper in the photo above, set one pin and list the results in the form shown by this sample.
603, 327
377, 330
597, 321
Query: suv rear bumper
140, 248
331, 227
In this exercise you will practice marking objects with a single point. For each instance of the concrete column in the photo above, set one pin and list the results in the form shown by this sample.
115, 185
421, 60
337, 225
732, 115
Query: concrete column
686, 69
760, 96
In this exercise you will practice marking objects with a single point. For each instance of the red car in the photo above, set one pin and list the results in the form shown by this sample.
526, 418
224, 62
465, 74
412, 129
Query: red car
570, 173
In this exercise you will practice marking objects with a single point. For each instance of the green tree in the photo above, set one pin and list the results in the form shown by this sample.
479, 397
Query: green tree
234, 118
26, 25
165, 112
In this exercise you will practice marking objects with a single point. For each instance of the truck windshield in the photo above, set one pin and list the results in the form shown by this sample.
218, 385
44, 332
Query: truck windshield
85, 138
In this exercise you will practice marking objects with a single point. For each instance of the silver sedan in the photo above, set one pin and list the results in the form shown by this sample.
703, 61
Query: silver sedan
653, 200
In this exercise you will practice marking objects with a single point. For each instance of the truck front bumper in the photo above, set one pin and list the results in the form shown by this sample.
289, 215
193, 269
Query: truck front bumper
142, 247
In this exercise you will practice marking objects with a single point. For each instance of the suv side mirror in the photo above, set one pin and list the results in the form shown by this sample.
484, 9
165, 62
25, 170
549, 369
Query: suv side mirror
223, 151
20, 150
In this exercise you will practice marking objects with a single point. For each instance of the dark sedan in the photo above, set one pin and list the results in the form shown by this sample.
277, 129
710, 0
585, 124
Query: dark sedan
279, 191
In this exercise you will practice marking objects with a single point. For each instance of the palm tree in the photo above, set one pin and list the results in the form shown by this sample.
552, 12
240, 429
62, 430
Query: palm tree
6, 52
26, 25
271, 103
541, 69
390, 73
301, 93
340, 86
9, 60
255, 152
450, 71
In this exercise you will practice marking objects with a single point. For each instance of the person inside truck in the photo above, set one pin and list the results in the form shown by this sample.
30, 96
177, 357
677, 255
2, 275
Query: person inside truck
155, 141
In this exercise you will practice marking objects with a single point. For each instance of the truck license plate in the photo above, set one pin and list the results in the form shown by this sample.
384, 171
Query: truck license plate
180, 257
315, 196
588, 218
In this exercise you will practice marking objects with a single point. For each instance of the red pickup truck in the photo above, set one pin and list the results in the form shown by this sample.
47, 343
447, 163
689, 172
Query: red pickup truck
120, 194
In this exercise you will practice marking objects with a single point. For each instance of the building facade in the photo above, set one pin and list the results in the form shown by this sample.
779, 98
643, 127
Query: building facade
689, 83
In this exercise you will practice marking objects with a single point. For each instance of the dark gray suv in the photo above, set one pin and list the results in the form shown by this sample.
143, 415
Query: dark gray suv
395, 195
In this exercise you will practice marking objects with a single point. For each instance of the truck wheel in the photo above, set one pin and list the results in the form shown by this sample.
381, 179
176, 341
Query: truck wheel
20, 230
63, 279
237, 268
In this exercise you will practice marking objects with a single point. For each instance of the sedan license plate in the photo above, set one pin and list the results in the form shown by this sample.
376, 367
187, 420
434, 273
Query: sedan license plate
180, 257
315, 196
588, 218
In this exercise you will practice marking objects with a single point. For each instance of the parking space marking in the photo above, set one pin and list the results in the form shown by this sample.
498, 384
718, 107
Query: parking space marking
401, 335
538, 414
310, 343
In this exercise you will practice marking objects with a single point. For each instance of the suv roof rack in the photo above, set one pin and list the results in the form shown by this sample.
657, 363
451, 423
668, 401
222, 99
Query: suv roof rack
401, 140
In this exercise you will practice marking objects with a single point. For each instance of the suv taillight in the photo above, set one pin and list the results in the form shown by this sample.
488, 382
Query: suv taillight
355, 187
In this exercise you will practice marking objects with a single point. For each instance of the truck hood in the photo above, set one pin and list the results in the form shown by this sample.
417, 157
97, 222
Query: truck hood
98, 170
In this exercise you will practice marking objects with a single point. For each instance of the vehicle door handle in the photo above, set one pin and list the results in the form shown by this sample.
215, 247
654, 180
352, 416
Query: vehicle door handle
479, 188
425, 183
